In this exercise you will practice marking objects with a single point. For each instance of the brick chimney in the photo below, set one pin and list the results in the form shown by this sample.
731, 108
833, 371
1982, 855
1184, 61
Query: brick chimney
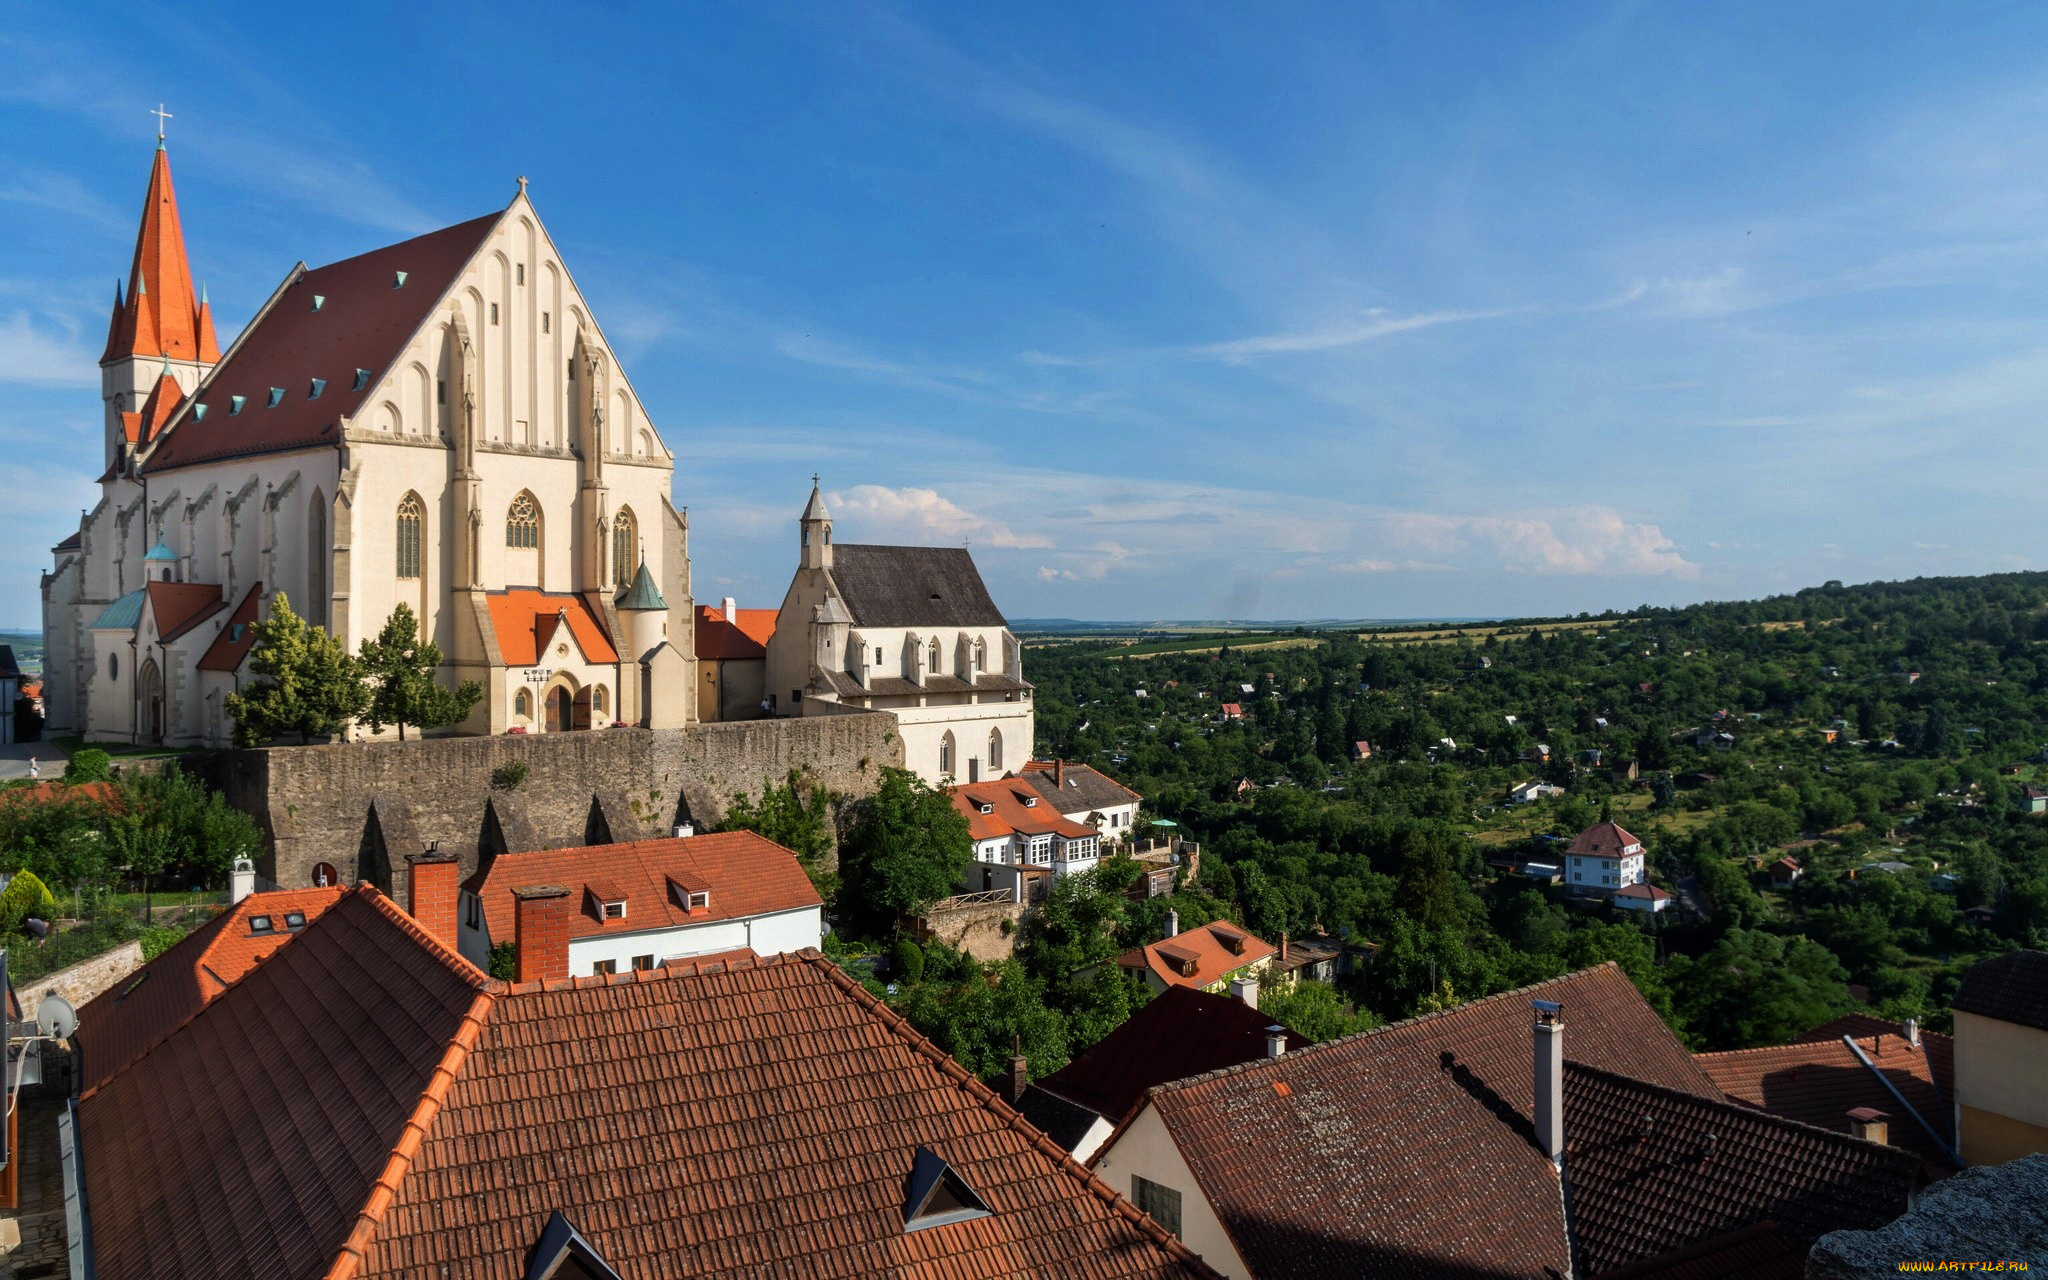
431, 893
1020, 1070
1283, 946
542, 932
1871, 1125
1059, 775
1548, 1037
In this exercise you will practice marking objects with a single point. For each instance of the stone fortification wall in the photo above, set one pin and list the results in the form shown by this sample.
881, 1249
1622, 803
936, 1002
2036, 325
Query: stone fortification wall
978, 929
362, 807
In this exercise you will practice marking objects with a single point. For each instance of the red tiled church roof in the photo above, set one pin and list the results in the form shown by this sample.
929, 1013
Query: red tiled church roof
745, 637
524, 621
178, 607
363, 323
160, 317
235, 640
119, 1025
746, 873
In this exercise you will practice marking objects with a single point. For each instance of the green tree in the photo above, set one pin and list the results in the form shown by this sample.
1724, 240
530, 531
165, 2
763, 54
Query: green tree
400, 668
979, 1020
1314, 1009
796, 814
1753, 988
905, 848
310, 684
168, 818
25, 896
89, 765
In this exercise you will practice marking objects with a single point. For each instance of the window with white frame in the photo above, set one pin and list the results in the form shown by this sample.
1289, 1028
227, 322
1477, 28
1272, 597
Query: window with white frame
614, 910
1040, 850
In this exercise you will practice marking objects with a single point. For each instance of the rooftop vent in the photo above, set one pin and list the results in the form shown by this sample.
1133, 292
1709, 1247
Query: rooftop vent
684, 831
362, 380
1276, 1040
398, 280
276, 397
319, 301
235, 404
935, 1194
319, 385
198, 413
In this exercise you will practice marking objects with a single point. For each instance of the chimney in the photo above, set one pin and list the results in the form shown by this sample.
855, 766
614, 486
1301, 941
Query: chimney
431, 892
1245, 989
242, 880
1276, 1041
685, 830
731, 608
1912, 1032
1020, 1070
542, 939
1871, 1125
1059, 775
1172, 924
1283, 946
1548, 1034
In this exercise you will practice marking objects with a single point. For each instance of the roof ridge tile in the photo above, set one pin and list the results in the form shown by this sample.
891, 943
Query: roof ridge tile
458, 963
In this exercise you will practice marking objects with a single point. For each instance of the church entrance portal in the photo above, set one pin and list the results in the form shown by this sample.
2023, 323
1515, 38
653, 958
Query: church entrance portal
149, 690
560, 710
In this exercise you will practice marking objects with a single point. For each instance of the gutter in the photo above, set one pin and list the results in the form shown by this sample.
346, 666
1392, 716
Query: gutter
1892, 1089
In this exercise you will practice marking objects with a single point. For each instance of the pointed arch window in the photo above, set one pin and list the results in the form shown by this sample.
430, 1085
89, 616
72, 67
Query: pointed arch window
625, 547
522, 704
946, 754
522, 523
995, 749
980, 654
938, 656
412, 518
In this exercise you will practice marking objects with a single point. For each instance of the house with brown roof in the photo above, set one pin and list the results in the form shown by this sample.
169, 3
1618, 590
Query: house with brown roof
1645, 897
1019, 835
1603, 859
637, 905
1180, 1032
1887, 1081
366, 1103
2001, 1057
1207, 957
1086, 795
294, 460
1786, 871
732, 661
1558, 1130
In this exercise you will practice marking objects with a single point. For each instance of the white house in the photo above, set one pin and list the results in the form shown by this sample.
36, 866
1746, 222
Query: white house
1531, 792
1603, 859
1019, 834
634, 906
1641, 897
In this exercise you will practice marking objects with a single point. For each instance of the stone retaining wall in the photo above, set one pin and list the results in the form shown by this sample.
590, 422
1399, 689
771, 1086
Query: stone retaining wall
82, 981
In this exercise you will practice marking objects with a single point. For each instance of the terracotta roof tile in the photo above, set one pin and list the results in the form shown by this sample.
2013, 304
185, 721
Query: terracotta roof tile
1015, 808
1602, 840
363, 323
160, 316
180, 606
237, 637
1765, 1251
1406, 1150
747, 875
1217, 950
525, 620
121, 1024
1817, 1081
744, 637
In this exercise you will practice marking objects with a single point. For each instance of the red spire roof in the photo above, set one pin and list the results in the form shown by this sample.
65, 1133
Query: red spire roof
163, 401
160, 316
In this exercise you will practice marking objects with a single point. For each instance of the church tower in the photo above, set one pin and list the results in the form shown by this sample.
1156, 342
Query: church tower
817, 531
160, 339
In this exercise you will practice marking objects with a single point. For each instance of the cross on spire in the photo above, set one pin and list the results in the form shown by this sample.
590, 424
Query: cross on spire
522, 184
161, 116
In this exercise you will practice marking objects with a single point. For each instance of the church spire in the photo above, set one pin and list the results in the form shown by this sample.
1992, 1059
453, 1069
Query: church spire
160, 316
816, 524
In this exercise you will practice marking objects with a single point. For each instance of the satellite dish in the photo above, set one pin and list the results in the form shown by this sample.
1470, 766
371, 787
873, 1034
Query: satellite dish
56, 1018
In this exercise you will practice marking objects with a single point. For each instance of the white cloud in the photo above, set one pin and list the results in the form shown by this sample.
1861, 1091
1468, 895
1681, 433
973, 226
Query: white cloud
922, 516
1573, 540
31, 354
1377, 324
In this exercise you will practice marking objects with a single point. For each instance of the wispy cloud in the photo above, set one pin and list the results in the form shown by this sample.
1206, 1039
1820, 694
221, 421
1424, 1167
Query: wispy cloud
1378, 323
30, 353
922, 515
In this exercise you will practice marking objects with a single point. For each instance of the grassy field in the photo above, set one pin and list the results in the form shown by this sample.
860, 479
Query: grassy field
1500, 631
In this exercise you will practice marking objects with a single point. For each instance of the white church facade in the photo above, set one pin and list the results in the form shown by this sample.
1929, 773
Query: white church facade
438, 423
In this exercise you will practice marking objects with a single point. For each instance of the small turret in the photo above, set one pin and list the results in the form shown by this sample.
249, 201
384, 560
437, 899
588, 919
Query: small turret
646, 611
161, 564
817, 531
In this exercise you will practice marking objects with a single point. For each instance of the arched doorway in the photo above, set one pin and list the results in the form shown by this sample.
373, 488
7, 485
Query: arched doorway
579, 711
561, 709
149, 696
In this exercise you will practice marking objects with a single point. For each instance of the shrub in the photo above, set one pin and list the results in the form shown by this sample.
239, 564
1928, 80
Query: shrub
25, 896
504, 962
89, 765
508, 776
906, 962
156, 940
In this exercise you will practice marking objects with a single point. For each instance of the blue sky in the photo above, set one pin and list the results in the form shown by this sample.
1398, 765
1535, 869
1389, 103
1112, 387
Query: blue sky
1169, 310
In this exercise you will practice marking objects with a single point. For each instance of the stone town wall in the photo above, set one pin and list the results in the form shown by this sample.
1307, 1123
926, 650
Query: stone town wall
977, 929
362, 807
82, 981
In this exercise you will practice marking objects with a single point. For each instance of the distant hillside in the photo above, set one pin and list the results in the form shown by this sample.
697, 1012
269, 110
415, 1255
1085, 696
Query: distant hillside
28, 648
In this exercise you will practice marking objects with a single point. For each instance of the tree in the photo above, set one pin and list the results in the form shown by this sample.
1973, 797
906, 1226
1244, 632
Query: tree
25, 896
89, 765
1753, 988
168, 819
1314, 1009
796, 814
310, 684
979, 1020
906, 847
400, 668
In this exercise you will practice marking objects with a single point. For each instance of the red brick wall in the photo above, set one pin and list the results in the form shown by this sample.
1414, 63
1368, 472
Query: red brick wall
433, 890
542, 932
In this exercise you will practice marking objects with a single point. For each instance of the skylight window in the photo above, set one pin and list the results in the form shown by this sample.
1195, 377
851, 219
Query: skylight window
276, 397
261, 924
235, 404
199, 413
362, 380
398, 280
294, 919
935, 1194
319, 385
319, 301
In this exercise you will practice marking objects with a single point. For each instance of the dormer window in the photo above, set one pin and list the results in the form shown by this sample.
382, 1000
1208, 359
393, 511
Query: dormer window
700, 900
235, 404
986, 807
362, 380
276, 397
615, 909
261, 924
935, 1194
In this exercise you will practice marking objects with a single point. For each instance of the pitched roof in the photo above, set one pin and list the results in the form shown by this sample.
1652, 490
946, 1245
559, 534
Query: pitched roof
524, 619
1180, 1032
121, 615
747, 874
1199, 956
1406, 1150
160, 316
912, 587
363, 323
178, 607
1645, 890
641, 593
740, 1119
1655, 1169
250, 1141
744, 637
1015, 809
2011, 988
234, 640
1818, 1081
1087, 788
1602, 840
120, 1024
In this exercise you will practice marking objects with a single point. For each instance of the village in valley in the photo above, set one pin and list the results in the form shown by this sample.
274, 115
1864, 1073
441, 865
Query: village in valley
418, 861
